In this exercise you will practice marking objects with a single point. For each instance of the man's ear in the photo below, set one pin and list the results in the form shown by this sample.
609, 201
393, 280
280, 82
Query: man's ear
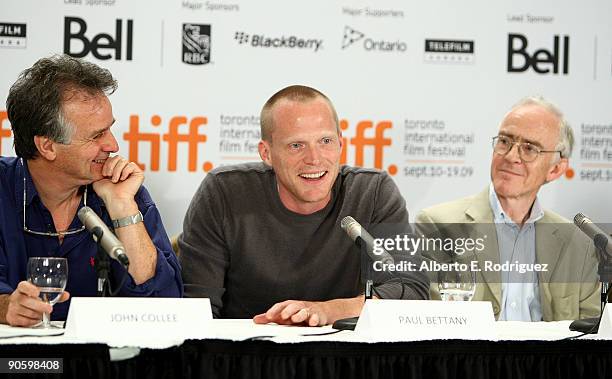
264, 152
46, 147
556, 170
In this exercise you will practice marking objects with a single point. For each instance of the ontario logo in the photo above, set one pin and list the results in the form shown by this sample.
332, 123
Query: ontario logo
352, 37
368, 141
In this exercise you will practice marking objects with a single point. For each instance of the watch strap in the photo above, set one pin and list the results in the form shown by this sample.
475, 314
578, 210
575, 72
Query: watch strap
129, 220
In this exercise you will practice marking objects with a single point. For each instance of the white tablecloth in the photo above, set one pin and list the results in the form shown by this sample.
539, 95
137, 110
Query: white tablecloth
238, 330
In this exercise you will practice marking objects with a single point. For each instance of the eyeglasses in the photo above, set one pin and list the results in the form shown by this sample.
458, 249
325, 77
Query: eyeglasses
48, 234
528, 152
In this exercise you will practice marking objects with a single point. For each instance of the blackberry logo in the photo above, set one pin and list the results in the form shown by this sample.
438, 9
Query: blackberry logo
350, 37
449, 51
196, 44
13, 35
282, 42
241, 37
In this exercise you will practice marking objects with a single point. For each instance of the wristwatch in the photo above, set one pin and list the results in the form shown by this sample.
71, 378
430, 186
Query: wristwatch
129, 220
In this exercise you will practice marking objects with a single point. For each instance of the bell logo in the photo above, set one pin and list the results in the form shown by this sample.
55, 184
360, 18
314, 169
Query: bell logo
359, 142
102, 41
541, 60
172, 137
4, 133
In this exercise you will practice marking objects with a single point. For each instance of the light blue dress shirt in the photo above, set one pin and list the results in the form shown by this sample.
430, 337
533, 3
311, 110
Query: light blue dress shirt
520, 292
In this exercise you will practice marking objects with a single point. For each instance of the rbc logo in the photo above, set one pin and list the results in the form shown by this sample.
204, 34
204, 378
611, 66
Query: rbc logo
99, 43
377, 141
541, 60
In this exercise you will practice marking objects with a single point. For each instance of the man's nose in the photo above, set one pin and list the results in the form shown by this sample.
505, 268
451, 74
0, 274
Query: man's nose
312, 155
109, 143
513, 155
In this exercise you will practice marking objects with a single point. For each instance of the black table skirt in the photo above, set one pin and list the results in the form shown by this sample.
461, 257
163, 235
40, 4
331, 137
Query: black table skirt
80, 361
430, 359
264, 359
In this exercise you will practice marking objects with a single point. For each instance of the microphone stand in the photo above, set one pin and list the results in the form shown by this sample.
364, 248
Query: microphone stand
351, 322
101, 264
604, 270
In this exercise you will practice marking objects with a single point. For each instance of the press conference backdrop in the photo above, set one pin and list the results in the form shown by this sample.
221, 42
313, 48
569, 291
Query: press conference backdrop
420, 87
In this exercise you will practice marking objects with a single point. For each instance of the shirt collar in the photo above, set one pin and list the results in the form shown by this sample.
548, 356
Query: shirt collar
31, 191
500, 216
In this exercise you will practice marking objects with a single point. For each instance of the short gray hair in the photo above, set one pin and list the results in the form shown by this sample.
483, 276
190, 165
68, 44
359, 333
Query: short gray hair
565, 143
35, 100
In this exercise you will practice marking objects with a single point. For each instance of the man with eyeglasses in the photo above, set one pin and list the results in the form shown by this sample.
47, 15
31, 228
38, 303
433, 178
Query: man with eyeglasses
61, 120
532, 148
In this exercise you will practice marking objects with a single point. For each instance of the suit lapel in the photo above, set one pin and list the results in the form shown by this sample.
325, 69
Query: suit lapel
549, 245
479, 212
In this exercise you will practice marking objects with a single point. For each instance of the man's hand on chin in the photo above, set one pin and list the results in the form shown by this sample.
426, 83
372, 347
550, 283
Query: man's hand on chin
121, 181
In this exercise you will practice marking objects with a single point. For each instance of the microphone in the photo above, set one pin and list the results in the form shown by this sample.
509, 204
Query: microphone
358, 234
103, 236
600, 238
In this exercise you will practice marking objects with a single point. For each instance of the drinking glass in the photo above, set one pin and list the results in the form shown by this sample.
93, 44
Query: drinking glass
50, 276
457, 283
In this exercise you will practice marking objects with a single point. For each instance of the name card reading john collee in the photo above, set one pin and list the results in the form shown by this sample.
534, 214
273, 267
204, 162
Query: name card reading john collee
413, 320
106, 319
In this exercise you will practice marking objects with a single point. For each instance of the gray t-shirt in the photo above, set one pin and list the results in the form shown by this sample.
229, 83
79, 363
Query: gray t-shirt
245, 251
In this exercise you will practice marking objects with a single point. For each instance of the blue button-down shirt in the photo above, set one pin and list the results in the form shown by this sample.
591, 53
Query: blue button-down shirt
520, 292
16, 246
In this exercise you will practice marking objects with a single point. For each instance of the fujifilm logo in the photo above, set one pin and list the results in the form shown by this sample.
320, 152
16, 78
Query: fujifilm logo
352, 36
542, 61
282, 42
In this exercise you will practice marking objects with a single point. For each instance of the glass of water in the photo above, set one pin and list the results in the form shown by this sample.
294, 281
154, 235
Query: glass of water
50, 276
457, 283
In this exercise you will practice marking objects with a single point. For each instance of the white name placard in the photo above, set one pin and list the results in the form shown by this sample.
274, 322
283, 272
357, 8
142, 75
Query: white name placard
605, 325
412, 320
138, 321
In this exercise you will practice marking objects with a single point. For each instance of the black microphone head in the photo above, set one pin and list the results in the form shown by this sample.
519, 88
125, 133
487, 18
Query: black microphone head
579, 219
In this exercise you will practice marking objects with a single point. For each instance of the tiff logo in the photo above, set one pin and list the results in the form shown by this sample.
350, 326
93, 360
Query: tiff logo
4, 133
377, 141
193, 138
